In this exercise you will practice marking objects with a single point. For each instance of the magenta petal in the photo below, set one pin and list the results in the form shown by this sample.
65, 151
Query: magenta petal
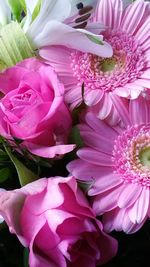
85, 171
49, 152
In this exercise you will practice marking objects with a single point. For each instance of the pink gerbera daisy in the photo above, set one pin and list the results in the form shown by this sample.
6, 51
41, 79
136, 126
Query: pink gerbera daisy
126, 73
116, 161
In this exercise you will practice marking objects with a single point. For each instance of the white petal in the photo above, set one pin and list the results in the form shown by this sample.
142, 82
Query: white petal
72, 38
50, 10
31, 4
5, 12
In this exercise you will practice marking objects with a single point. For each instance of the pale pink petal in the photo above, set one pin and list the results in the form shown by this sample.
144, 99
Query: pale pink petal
144, 30
138, 211
56, 54
129, 195
139, 111
106, 201
132, 17
117, 13
93, 97
143, 205
122, 91
146, 74
103, 108
143, 82
104, 12
146, 44
122, 109
73, 94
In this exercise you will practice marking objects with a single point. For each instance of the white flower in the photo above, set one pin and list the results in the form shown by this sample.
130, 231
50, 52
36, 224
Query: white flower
49, 28
47, 23
5, 13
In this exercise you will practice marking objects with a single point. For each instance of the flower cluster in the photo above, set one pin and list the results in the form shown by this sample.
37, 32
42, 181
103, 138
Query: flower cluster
74, 126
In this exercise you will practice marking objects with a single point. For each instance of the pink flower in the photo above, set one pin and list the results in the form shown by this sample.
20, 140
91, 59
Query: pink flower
116, 160
33, 110
126, 73
52, 217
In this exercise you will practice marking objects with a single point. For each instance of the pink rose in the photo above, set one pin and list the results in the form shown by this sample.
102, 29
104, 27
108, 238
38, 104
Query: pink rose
53, 218
33, 109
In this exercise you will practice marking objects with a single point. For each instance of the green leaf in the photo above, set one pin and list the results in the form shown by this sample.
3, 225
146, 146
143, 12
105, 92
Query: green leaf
23, 4
26, 257
16, 8
36, 10
95, 39
4, 174
84, 185
14, 45
75, 137
24, 174
3, 156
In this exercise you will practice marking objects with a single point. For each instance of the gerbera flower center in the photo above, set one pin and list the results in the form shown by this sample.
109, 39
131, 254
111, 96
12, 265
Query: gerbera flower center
108, 64
107, 74
144, 157
131, 155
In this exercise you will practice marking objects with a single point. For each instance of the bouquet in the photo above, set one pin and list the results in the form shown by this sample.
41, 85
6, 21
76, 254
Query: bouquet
74, 130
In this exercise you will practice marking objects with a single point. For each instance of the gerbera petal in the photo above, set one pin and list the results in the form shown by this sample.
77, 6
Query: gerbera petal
122, 108
104, 183
73, 95
143, 31
56, 55
146, 74
91, 98
106, 201
104, 12
132, 16
143, 205
85, 171
129, 195
94, 157
97, 142
143, 82
117, 12
139, 111
100, 127
139, 210
103, 108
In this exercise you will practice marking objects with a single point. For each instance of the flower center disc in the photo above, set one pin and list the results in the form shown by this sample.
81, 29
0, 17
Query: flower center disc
131, 155
107, 74
144, 157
